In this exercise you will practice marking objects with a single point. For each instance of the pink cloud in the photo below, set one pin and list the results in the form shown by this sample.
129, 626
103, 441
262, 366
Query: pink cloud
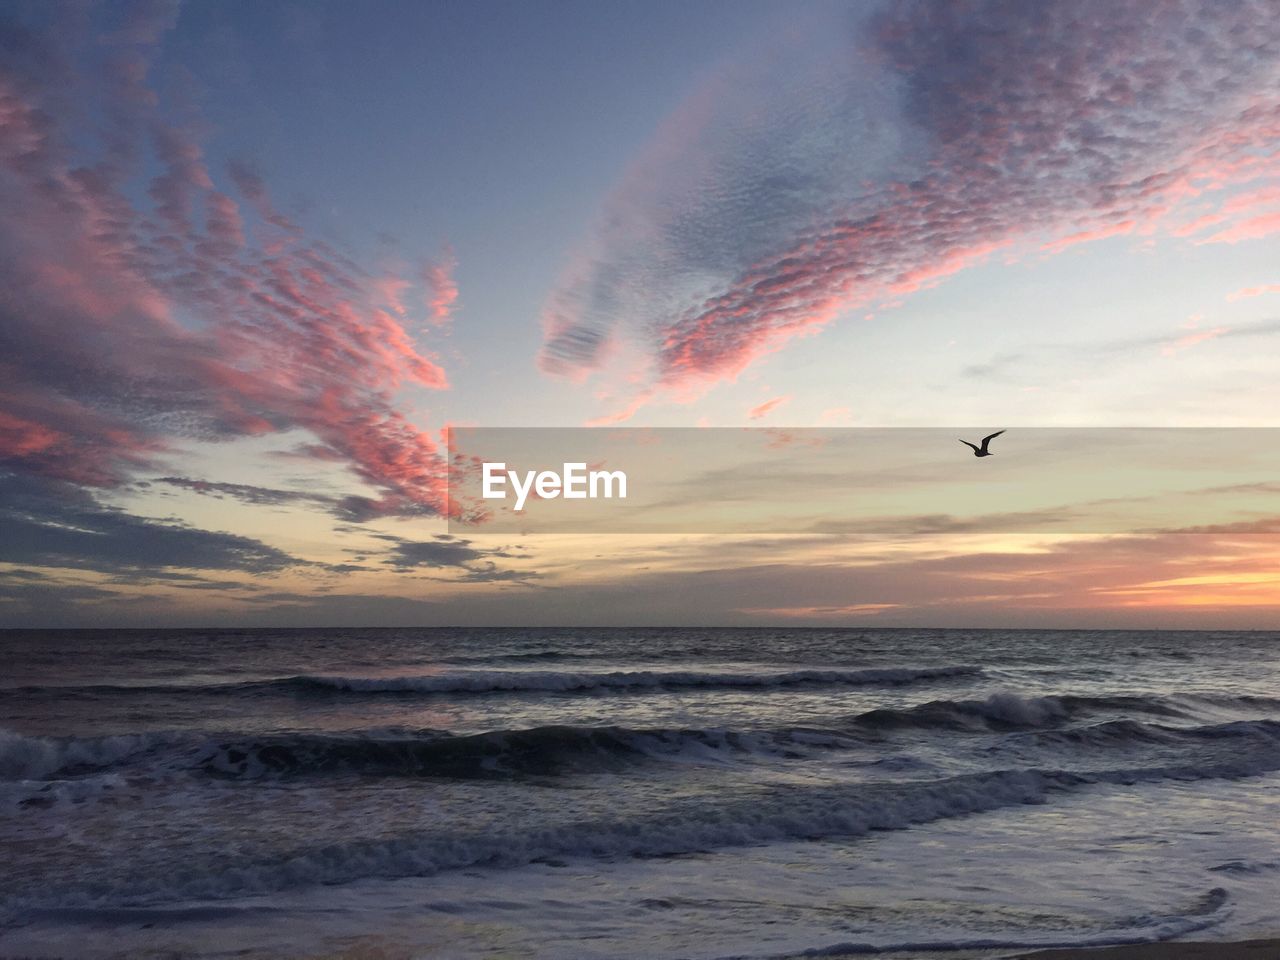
622, 414
1191, 339
392, 290
1245, 292
278, 332
793, 189
1254, 228
23, 438
1232, 211
442, 289
760, 411
1090, 235
837, 612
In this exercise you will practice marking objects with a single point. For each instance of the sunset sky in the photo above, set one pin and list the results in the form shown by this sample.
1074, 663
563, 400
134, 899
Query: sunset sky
256, 258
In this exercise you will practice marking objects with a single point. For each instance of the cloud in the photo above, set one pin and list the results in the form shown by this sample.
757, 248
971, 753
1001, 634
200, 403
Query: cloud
146, 299
1186, 580
1195, 337
764, 409
45, 524
39, 595
246, 493
837, 612
442, 289
445, 552
1260, 222
994, 367
865, 156
1006, 366
1179, 578
1257, 291
350, 508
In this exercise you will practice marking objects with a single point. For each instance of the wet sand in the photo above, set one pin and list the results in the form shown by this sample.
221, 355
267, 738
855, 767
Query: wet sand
1244, 950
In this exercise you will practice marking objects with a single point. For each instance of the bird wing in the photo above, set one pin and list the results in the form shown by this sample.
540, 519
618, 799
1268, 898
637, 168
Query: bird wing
972, 446
988, 439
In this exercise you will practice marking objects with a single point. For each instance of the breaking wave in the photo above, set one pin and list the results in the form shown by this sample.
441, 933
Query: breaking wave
557, 750
502, 681
1009, 711
44, 758
777, 815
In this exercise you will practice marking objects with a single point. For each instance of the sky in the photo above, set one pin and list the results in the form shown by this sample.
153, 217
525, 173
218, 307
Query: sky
256, 260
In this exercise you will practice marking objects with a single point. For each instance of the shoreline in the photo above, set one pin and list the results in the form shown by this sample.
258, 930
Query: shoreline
1168, 950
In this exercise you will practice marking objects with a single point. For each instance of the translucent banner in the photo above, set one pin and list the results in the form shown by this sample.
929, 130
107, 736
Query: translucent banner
875, 482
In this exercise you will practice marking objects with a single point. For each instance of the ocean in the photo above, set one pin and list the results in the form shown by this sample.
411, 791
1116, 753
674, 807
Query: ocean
633, 793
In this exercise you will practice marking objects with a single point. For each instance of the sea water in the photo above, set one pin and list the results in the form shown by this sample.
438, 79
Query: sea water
619, 793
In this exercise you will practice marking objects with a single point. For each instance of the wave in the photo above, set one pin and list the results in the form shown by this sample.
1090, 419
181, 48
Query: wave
1009, 711
703, 824
1116, 732
1203, 914
504, 681
38, 765
480, 681
537, 752
552, 751
46, 758
779, 814
1247, 700
562, 750
42, 794
527, 656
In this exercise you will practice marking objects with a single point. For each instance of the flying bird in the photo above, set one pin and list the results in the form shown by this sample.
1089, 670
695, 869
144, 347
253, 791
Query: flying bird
982, 451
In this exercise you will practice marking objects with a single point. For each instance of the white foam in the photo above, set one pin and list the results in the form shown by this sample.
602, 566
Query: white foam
778, 816
17, 794
39, 758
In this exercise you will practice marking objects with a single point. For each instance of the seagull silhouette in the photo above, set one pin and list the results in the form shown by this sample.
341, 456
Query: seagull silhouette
982, 451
